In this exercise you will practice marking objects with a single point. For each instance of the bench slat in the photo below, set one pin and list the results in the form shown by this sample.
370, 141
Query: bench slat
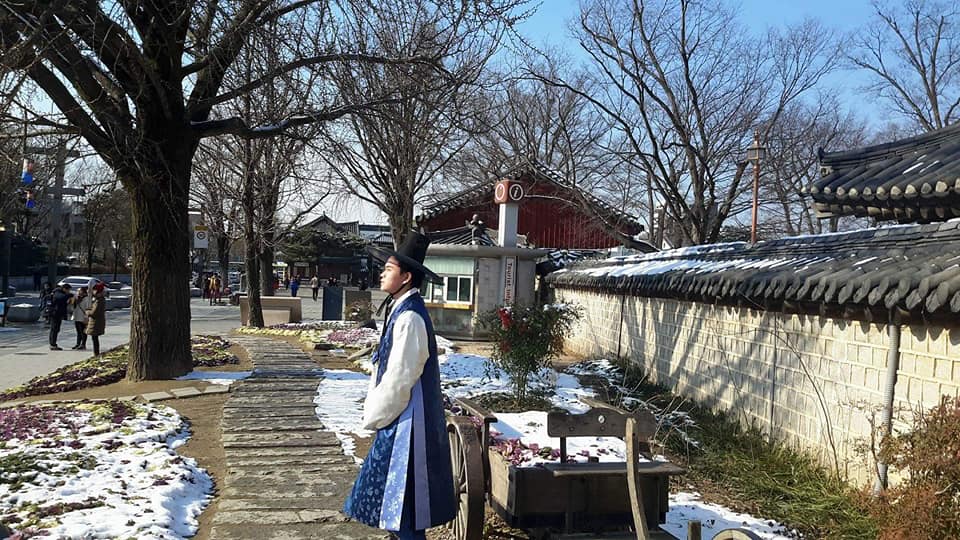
598, 422
644, 468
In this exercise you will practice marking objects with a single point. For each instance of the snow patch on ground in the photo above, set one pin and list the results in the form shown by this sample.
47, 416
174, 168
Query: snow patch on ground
340, 407
225, 378
139, 485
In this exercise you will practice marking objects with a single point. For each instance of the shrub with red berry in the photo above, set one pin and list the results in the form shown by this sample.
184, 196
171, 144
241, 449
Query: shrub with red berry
527, 338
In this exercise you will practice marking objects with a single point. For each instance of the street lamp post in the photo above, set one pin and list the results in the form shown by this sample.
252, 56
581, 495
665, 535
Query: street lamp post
755, 153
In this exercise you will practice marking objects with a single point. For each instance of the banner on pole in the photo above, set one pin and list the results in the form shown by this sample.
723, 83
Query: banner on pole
27, 176
200, 237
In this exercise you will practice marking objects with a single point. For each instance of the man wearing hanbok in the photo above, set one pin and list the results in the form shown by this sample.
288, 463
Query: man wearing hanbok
406, 483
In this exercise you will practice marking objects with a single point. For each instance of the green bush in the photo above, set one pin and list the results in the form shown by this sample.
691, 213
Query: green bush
527, 338
925, 504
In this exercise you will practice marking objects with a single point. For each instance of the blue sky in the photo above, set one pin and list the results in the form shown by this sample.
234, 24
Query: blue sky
550, 22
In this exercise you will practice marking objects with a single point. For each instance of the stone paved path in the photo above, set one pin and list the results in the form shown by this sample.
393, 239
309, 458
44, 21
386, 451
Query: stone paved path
286, 477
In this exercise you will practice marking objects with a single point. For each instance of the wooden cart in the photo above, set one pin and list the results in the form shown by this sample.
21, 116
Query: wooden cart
571, 497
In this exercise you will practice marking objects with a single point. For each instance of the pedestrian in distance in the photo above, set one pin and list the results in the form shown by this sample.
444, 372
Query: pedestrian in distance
294, 285
45, 296
97, 317
406, 483
59, 309
80, 304
315, 286
214, 291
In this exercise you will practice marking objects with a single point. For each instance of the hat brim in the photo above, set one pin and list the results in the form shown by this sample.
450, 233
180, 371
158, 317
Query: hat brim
383, 255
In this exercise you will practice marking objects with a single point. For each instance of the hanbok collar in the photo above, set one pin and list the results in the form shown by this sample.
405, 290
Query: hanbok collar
404, 296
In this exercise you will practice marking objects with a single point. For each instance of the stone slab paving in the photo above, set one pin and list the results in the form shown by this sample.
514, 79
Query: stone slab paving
286, 476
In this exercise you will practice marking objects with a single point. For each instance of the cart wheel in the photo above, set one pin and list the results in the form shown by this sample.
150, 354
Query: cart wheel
467, 479
736, 534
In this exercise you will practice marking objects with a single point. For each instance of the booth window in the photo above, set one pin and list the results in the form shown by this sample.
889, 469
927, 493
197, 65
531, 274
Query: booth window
455, 290
459, 289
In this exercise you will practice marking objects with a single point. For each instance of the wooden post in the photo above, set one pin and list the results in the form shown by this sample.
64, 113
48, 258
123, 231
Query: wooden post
693, 530
633, 479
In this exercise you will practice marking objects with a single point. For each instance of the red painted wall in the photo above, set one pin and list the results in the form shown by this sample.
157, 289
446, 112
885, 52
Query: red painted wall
546, 222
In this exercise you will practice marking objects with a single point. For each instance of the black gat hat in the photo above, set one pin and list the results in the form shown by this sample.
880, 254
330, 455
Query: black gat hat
411, 253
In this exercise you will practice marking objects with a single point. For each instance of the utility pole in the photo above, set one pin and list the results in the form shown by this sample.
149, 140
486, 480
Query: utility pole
755, 153
57, 191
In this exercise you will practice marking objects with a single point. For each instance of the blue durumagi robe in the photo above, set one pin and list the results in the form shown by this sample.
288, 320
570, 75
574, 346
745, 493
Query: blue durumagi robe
417, 437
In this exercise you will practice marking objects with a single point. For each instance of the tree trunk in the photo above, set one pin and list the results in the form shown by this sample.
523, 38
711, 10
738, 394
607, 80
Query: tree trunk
223, 256
265, 256
160, 314
250, 260
401, 222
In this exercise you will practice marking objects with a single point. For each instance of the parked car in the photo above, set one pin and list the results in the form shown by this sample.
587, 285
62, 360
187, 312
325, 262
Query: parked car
81, 281
78, 281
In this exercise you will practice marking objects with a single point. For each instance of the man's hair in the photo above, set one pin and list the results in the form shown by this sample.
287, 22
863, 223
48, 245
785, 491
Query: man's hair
416, 276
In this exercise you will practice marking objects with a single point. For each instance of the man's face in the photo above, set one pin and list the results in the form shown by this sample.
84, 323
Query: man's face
392, 278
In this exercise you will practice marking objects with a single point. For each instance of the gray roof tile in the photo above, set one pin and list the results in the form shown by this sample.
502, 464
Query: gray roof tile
911, 267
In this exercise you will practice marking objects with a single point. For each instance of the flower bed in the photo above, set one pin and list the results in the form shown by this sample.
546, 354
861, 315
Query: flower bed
355, 338
211, 351
111, 367
326, 334
102, 469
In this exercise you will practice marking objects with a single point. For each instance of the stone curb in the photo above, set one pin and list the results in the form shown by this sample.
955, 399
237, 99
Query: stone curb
148, 397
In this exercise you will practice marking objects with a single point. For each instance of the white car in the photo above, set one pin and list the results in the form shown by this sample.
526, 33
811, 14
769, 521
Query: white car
79, 281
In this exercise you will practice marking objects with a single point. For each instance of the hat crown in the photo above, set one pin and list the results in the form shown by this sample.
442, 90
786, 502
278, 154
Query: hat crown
414, 246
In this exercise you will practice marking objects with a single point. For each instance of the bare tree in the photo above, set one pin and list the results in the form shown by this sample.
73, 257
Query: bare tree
388, 156
216, 192
526, 120
912, 53
140, 81
792, 162
686, 86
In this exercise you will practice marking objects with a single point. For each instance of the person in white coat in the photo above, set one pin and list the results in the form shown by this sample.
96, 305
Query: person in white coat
80, 304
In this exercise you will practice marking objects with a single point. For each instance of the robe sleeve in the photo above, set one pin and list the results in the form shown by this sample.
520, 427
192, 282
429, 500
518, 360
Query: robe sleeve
408, 355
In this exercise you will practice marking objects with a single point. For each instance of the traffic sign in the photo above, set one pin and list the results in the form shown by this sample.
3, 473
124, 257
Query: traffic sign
200, 237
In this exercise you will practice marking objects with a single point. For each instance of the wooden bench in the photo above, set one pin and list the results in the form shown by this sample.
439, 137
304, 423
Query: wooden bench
278, 309
648, 482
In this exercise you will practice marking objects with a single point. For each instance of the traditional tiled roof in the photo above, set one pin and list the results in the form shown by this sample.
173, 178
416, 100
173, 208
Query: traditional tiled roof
461, 236
915, 268
483, 192
562, 258
911, 180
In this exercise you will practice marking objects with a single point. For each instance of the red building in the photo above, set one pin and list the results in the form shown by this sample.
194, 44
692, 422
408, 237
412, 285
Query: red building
552, 214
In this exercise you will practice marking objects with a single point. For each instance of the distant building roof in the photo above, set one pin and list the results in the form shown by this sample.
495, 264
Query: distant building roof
906, 268
373, 233
916, 179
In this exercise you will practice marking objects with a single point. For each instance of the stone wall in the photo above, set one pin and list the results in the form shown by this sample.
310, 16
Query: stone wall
813, 381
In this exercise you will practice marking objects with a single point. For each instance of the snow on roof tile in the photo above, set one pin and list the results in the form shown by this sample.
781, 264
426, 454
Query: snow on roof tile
909, 267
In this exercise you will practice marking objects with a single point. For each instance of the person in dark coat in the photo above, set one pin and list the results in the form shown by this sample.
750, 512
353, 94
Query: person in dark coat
45, 296
59, 304
294, 285
96, 317
406, 482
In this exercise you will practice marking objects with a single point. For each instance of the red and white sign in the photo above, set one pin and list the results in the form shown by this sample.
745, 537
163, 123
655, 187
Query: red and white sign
507, 191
